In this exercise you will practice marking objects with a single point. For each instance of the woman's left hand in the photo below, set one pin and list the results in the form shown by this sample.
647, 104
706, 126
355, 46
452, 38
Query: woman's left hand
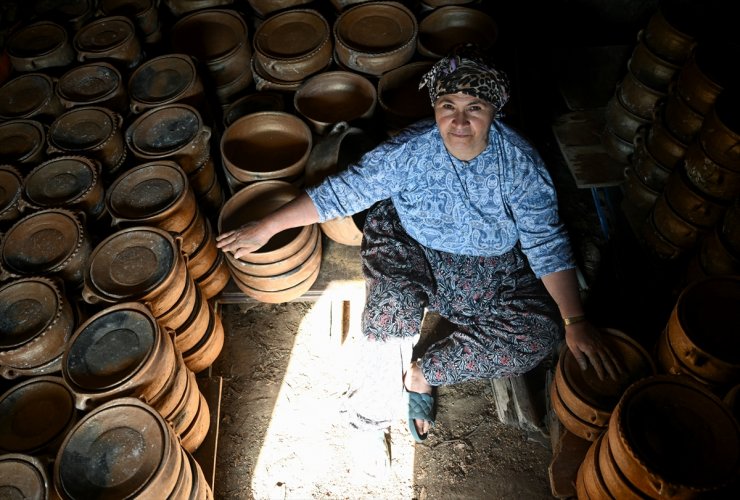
588, 347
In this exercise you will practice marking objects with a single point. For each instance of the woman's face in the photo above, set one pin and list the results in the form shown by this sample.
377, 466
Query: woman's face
463, 121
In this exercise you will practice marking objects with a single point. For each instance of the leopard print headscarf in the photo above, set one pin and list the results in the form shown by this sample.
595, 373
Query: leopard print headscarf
466, 70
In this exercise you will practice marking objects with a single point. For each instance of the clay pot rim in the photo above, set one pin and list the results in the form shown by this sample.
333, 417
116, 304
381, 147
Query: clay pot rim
96, 24
38, 468
264, 81
204, 13
440, 14
54, 318
274, 97
44, 80
355, 9
93, 166
149, 114
276, 18
37, 144
571, 421
54, 26
116, 121
72, 74
152, 63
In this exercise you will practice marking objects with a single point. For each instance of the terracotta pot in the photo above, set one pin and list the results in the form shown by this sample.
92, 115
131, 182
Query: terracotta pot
74, 14
201, 489
25, 429
196, 326
213, 199
638, 193
192, 237
165, 79
155, 194
451, 25
622, 121
264, 8
39, 46
692, 204
22, 142
202, 178
660, 440
185, 411
333, 97
144, 13
637, 97
208, 348
253, 103
173, 132
202, 257
278, 297
90, 131
710, 177
358, 45
119, 351
657, 242
166, 401
216, 278
266, 145
39, 320
112, 38
11, 188
183, 308
141, 263
225, 93
52, 241
25, 476
218, 38
293, 45
192, 437
665, 147
183, 486
593, 480
650, 171
617, 484
581, 428
669, 39
617, 148
650, 68
93, 84
30, 96
71, 182
717, 257
98, 457
680, 119
720, 132
700, 80
673, 227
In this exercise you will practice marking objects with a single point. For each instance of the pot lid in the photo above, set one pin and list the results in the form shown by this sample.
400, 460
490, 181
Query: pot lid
162, 78
23, 475
164, 129
113, 451
89, 82
147, 190
291, 34
10, 186
132, 262
19, 138
34, 413
28, 306
104, 34
82, 128
60, 180
24, 94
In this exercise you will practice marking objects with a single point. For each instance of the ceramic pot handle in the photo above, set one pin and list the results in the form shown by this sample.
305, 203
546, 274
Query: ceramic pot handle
206, 132
89, 296
135, 108
53, 150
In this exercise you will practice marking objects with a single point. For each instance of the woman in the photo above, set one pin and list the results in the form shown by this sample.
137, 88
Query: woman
464, 221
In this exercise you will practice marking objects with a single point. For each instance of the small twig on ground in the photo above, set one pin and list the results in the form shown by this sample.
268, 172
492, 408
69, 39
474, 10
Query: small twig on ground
463, 439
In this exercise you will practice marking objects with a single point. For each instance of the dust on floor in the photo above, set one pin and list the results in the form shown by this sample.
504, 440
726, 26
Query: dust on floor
282, 434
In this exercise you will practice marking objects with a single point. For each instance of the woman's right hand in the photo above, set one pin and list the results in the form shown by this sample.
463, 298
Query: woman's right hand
244, 240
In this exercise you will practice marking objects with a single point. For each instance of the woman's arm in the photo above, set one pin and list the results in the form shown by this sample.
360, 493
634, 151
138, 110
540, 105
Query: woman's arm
299, 212
582, 338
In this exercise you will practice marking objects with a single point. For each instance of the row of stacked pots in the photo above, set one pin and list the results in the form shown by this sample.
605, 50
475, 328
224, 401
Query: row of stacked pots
641, 423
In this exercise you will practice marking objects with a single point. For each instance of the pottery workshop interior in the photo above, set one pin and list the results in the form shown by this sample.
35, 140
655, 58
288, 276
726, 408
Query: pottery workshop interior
134, 132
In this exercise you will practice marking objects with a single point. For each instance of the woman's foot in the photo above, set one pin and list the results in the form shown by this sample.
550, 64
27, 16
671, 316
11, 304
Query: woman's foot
414, 381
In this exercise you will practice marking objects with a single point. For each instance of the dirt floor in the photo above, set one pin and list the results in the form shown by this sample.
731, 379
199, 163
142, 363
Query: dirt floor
283, 435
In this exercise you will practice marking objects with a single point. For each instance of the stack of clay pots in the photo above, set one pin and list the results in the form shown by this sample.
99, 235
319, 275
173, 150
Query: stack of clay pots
108, 88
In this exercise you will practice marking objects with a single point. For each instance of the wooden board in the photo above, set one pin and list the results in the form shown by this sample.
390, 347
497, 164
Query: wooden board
205, 455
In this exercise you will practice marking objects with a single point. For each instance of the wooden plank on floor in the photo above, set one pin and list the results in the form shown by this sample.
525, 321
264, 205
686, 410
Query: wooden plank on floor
206, 453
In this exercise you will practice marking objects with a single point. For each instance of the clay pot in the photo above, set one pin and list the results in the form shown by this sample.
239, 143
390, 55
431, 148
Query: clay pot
218, 38
641, 195
163, 80
650, 68
617, 484
155, 194
680, 119
201, 489
112, 38
451, 25
29, 96
657, 242
265, 83
22, 142
622, 121
208, 348
140, 263
673, 227
182, 309
692, 204
167, 400
266, 145
702, 78
333, 97
144, 14
11, 187
661, 442
212, 199
617, 148
36, 415
203, 177
359, 44
716, 255
654, 174
120, 350
668, 39
25, 476
593, 481
202, 257
192, 437
293, 45
121, 449
665, 147
39, 46
195, 327
709, 176
571, 421
193, 236
71, 182
93, 84
52, 241
216, 278
183, 486
226, 92
264, 8
170, 132
720, 132
72, 14
253, 103
38, 321
638, 98
90, 131
399, 96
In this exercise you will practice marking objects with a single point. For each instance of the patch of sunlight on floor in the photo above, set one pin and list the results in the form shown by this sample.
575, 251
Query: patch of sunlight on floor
308, 451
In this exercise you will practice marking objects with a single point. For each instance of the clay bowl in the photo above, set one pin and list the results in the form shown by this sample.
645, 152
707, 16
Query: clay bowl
164, 80
170, 132
253, 103
22, 142
399, 96
93, 84
335, 96
657, 242
673, 227
194, 435
140, 263
591, 399
375, 37
11, 187
293, 45
91, 131
665, 147
660, 439
155, 194
183, 308
593, 480
208, 348
30, 96
266, 145
691, 203
112, 38
122, 449
651, 69
616, 147
621, 120
641, 195
35, 415
638, 98
653, 173
216, 278
254, 202
52, 241
280, 296
189, 334
166, 401
193, 236
703, 77
24, 475
669, 39
202, 257
37, 321
710, 177
120, 350
720, 132
39, 46
451, 25
71, 182
683, 121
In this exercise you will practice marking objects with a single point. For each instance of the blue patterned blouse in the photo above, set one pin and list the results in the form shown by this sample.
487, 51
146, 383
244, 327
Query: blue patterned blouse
477, 207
